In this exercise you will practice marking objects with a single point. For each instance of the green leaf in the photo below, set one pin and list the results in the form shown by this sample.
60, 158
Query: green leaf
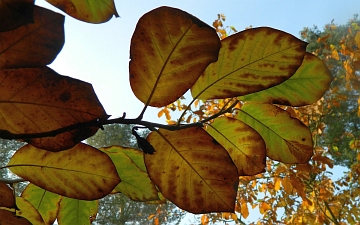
193, 170
287, 139
49, 101
250, 61
91, 11
74, 211
167, 55
14, 13
244, 144
35, 44
305, 87
135, 182
81, 172
45, 202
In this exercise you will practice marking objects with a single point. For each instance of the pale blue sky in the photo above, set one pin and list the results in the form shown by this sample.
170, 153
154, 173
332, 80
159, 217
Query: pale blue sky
99, 54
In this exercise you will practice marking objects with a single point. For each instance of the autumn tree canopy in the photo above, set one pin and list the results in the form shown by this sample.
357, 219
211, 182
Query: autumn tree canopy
258, 74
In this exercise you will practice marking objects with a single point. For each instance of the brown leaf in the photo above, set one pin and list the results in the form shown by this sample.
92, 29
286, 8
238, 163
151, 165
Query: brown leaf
167, 55
9, 218
35, 44
7, 198
193, 170
81, 172
14, 13
35, 100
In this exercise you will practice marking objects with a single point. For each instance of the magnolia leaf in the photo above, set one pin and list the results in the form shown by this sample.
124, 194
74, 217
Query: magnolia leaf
10, 218
81, 172
45, 202
28, 211
135, 182
75, 211
250, 61
167, 55
91, 11
35, 44
305, 87
36, 100
287, 139
193, 170
244, 144
14, 13
6, 196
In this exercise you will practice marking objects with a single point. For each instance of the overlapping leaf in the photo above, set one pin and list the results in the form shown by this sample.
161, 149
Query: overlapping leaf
7, 217
74, 211
35, 44
244, 144
6, 196
92, 11
28, 211
46, 203
14, 13
135, 181
193, 170
36, 100
167, 55
305, 87
276, 127
82, 172
250, 61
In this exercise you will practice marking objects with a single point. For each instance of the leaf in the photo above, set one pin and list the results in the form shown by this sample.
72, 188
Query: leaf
9, 218
263, 207
14, 13
135, 182
244, 144
7, 198
287, 139
193, 170
91, 11
167, 55
45, 202
35, 44
36, 100
244, 210
250, 61
28, 211
81, 172
74, 211
305, 87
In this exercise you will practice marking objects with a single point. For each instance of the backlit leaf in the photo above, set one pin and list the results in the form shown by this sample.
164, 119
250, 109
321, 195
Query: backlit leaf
35, 44
286, 138
6, 196
45, 202
305, 87
81, 172
250, 61
193, 170
74, 211
28, 211
36, 100
135, 182
244, 144
14, 13
167, 55
92, 11
9, 218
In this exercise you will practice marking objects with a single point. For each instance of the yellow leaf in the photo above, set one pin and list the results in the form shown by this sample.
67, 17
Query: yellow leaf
234, 216
28, 211
92, 12
288, 188
263, 207
244, 210
204, 220
357, 39
165, 46
193, 170
81, 172
277, 182
160, 113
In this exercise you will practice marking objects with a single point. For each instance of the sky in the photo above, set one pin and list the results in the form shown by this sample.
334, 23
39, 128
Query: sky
99, 53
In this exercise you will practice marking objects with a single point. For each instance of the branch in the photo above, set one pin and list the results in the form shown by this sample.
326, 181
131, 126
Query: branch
11, 181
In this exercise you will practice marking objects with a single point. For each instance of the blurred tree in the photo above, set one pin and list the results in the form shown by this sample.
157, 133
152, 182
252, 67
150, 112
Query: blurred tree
119, 209
338, 46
